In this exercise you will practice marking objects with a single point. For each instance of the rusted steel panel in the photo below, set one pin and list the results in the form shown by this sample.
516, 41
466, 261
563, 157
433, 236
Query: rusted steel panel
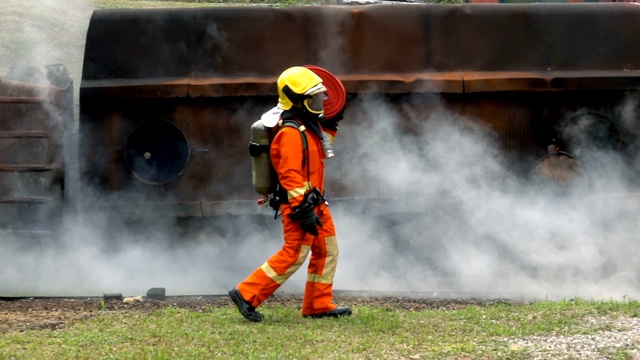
153, 89
213, 128
33, 118
438, 82
452, 82
207, 74
549, 81
12, 90
549, 37
238, 51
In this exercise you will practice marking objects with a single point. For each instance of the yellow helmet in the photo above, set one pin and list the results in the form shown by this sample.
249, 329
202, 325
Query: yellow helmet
300, 86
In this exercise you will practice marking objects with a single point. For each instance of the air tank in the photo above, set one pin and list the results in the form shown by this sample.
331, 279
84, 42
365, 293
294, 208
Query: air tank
262, 173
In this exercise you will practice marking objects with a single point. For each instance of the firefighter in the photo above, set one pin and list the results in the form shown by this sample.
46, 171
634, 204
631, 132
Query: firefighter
298, 156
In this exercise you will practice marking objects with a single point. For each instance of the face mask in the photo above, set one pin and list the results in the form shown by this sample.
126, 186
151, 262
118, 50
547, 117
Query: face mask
315, 103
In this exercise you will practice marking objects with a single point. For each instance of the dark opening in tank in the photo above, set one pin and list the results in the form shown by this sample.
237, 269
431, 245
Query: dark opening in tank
156, 152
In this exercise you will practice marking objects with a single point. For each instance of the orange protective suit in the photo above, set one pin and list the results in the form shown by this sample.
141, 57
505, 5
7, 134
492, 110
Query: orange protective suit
288, 156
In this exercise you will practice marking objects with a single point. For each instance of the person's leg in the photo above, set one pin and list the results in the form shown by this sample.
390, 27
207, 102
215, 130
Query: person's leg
318, 295
318, 292
266, 279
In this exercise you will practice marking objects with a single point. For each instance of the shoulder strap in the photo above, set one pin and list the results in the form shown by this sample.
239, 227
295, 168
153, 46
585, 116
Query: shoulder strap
300, 127
305, 145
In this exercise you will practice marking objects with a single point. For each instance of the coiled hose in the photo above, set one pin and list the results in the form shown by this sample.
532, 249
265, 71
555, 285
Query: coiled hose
337, 95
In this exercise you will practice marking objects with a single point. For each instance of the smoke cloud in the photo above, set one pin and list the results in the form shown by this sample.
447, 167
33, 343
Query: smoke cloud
44, 32
437, 209
464, 223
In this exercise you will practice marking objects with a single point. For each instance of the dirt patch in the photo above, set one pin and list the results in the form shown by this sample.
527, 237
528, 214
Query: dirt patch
54, 313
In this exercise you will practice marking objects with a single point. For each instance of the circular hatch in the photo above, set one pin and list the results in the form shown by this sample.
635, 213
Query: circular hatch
156, 152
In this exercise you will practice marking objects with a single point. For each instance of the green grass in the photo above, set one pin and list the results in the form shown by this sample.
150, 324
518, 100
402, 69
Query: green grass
371, 333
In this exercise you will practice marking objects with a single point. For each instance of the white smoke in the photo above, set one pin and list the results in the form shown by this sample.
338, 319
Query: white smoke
449, 214
37, 33
469, 225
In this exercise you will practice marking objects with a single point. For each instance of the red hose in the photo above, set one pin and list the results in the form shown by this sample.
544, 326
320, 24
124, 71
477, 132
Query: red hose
337, 95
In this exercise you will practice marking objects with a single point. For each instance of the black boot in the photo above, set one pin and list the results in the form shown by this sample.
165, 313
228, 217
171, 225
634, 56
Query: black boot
246, 309
337, 312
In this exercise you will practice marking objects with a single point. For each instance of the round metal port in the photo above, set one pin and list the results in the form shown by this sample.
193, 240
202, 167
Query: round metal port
156, 152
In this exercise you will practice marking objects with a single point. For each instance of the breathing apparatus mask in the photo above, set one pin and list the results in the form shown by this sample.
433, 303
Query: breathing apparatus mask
314, 103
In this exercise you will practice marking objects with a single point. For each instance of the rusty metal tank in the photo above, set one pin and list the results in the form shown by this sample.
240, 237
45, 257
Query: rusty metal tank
168, 96
36, 109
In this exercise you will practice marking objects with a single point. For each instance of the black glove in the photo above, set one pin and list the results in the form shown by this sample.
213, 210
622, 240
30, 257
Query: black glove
308, 219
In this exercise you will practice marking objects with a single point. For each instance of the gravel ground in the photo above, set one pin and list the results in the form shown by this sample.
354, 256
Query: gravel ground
624, 335
55, 313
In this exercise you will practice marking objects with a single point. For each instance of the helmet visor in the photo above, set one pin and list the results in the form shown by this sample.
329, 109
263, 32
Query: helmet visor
315, 103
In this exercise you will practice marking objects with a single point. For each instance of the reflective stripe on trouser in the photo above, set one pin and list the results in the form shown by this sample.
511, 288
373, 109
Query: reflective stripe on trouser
318, 293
